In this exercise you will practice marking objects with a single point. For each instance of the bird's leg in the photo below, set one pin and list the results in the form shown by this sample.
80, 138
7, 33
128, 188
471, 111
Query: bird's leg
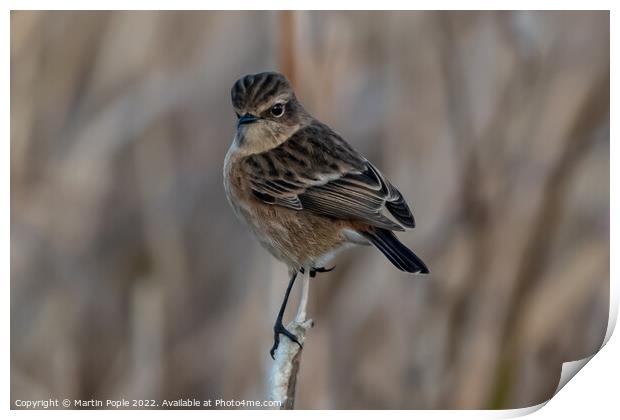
278, 328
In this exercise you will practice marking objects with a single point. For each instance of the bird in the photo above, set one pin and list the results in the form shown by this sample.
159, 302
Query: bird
302, 190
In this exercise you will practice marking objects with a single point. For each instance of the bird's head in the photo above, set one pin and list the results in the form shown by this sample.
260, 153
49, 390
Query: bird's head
267, 111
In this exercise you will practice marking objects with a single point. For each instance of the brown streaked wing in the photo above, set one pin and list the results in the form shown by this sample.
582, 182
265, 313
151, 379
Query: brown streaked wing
317, 171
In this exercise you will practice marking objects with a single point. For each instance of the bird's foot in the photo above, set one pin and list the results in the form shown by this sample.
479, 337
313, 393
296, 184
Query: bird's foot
277, 330
315, 270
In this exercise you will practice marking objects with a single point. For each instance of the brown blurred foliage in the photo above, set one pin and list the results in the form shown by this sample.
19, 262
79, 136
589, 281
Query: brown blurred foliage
132, 278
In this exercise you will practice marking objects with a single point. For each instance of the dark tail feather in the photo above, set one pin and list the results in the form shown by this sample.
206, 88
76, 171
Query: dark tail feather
398, 254
400, 210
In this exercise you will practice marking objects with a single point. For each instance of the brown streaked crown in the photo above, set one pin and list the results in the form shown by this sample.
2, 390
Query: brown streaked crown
255, 89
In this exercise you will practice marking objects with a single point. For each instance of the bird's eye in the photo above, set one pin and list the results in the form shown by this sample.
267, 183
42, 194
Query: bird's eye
277, 110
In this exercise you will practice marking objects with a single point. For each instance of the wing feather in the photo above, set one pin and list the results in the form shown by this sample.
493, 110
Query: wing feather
317, 171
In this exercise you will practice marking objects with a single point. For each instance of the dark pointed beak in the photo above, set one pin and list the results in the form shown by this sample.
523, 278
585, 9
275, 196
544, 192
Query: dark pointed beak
246, 119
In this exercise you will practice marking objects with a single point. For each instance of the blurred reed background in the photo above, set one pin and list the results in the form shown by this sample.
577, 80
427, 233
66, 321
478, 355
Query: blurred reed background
132, 278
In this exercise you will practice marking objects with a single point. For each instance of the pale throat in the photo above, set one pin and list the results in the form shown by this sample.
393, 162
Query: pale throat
260, 137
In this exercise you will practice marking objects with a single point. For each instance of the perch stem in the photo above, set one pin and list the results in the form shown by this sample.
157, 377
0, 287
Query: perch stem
303, 301
285, 368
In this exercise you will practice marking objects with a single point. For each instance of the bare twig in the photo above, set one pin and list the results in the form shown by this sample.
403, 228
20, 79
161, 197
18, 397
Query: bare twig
285, 368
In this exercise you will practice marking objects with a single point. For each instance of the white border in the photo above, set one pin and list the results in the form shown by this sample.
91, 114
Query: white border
593, 393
